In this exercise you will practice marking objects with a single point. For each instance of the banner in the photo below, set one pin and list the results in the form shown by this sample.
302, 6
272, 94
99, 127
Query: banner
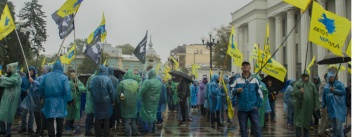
233, 50
302, 4
272, 67
7, 24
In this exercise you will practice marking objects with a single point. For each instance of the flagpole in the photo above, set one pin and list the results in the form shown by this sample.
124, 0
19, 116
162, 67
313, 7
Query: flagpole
264, 64
24, 56
76, 68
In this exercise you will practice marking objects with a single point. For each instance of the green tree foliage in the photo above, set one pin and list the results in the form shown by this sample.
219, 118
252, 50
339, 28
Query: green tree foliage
10, 50
80, 44
126, 49
33, 16
89, 66
220, 50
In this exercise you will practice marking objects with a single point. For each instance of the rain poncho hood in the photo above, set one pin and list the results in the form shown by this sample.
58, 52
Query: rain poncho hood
55, 89
26, 85
11, 94
103, 94
149, 93
193, 93
89, 104
129, 88
288, 93
213, 92
111, 70
335, 101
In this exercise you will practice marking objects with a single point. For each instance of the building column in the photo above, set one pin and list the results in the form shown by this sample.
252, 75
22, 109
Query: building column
291, 47
304, 40
321, 51
340, 9
278, 38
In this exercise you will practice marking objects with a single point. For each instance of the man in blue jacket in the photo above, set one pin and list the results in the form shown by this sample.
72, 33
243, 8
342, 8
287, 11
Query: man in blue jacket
249, 100
26, 88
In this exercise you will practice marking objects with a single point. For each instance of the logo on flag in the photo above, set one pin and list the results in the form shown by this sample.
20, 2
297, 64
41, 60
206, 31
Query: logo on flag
140, 50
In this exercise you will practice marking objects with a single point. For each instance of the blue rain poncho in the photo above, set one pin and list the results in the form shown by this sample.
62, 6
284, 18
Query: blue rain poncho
89, 106
221, 98
129, 88
206, 104
149, 93
214, 91
26, 85
32, 101
335, 101
11, 95
55, 89
288, 93
111, 75
102, 94
193, 93
162, 97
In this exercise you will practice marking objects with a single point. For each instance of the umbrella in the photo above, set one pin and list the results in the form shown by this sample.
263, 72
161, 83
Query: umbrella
84, 77
276, 84
175, 73
118, 73
231, 79
331, 58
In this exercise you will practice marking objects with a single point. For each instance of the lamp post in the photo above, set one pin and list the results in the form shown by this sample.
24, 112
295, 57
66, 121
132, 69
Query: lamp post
209, 44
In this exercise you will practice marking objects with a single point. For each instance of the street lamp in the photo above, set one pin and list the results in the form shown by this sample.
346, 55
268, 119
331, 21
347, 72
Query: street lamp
209, 43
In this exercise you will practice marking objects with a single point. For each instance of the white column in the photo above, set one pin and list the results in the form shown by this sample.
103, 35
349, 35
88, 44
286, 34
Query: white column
304, 40
291, 47
278, 38
321, 51
340, 10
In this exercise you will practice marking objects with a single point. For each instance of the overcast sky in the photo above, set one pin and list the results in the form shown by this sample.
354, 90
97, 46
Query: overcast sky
170, 22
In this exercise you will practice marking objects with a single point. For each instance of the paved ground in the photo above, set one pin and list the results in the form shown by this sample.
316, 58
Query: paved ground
199, 127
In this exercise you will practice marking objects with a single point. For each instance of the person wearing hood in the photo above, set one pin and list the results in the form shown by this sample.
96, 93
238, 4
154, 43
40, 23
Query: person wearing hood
334, 95
288, 101
222, 100
10, 98
316, 114
32, 101
55, 88
215, 91
305, 96
162, 103
149, 94
116, 108
201, 97
26, 88
193, 98
250, 99
89, 105
183, 92
102, 93
76, 88
127, 96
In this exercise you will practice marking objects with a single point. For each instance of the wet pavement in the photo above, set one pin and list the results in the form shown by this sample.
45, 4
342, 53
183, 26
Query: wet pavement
198, 127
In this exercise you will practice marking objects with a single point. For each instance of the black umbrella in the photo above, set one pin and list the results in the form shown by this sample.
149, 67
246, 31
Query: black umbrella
231, 79
276, 84
175, 73
331, 58
118, 73
83, 78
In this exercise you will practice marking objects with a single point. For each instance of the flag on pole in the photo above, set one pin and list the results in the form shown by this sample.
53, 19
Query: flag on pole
233, 50
44, 61
348, 49
157, 68
69, 7
7, 24
328, 29
0, 70
176, 64
139, 51
21, 69
302, 4
67, 58
310, 65
229, 102
336, 66
99, 31
93, 50
167, 76
105, 62
267, 40
272, 67
65, 24
194, 70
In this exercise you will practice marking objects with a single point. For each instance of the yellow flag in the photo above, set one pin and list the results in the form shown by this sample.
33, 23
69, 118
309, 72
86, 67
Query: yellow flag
67, 58
166, 73
348, 49
194, 70
328, 29
7, 24
229, 102
99, 31
302, 4
342, 68
233, 50
44, 61
21, 69
272, 67
310, 65
157, 68
267, 40
176, 64
0, 70
69, 7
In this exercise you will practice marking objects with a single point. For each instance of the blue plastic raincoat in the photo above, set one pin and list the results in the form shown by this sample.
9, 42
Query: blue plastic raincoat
112, 77
55, 89
149, 93
213, 93
335, 101
222, 100
11, 95
193, 95
26, 85
89, 105
102, 93
288, 93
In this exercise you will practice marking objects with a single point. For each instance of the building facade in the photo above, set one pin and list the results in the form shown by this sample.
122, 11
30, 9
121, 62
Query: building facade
250, 24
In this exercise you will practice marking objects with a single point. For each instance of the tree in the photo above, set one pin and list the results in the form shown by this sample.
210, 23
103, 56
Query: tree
89, 66
220, 50
126, 49
33, 17
10, 50
80, 44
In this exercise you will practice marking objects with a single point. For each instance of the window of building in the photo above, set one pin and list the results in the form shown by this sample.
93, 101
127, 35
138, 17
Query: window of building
296, 18
284, 26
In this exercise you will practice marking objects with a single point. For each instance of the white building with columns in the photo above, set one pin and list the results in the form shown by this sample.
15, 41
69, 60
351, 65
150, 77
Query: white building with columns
250, 24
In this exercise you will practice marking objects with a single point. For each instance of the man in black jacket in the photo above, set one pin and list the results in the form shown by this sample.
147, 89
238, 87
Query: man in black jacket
272, 97
183, 93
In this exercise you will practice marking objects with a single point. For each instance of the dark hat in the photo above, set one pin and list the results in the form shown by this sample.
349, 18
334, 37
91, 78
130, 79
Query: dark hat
245, 63
305, 74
